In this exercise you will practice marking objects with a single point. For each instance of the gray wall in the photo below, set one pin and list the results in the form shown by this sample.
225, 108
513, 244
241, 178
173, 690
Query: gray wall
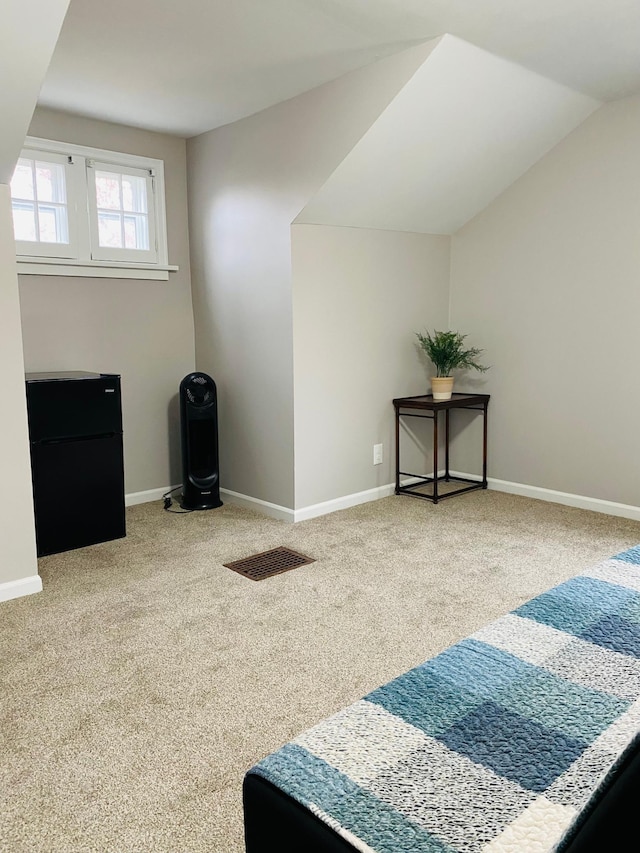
17, 533
359, 297
247, 183
27, 41
142, 330
547, 278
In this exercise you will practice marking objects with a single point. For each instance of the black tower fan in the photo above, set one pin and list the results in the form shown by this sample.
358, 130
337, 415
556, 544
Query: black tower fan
199, 429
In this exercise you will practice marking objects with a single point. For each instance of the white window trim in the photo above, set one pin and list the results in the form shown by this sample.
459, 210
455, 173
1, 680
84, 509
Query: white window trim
84, 265
100, 253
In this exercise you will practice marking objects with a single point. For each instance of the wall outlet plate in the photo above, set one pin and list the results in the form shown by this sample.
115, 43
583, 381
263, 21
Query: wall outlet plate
377, 454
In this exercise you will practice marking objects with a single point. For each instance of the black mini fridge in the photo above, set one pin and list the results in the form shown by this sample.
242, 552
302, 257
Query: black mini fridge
77, 466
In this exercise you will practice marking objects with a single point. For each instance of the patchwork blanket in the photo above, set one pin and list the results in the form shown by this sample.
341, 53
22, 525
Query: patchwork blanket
498, 744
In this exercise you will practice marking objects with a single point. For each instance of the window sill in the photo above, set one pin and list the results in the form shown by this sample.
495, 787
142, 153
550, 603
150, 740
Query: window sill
94, 269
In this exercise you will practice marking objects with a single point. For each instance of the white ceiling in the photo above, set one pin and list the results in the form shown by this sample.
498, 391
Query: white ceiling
188, 66
24, 62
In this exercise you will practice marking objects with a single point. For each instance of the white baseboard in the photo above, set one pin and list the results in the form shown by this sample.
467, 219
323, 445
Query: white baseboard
580, 501
344, 502
273, 510
134, 498
282, 513
566, 498
314, 510
24, 586
536, 492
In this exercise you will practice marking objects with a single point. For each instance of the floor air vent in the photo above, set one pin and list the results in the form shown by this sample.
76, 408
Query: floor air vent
269, 563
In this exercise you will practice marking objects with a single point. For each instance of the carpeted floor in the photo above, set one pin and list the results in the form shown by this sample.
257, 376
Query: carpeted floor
147, 677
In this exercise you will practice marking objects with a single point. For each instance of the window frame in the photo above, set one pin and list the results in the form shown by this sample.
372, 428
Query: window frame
104, 253
154, 265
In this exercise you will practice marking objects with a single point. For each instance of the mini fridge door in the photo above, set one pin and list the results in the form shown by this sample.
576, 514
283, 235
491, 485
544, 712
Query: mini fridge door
78, 490
73, 405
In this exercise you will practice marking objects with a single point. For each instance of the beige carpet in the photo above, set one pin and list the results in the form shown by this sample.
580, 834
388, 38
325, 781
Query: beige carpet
146, 678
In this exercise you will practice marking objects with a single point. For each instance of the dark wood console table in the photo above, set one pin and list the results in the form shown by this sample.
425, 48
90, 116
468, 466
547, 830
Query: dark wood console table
420, 407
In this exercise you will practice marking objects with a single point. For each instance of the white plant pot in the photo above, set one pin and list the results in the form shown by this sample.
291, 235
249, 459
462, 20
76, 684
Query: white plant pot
442, 387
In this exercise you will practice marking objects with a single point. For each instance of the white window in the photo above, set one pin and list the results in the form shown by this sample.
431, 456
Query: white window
122, 218
84, 211
40, 207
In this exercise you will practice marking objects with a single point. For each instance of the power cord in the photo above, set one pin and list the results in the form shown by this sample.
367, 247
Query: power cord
168, 503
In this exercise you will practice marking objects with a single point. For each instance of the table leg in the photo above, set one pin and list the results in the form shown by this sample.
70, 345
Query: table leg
446, 445
484, 448
435, 457
397, 452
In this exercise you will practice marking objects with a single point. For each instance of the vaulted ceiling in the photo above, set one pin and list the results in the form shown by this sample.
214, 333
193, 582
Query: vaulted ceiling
190, 66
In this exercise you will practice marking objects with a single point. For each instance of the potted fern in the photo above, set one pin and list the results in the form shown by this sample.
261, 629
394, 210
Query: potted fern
447, 352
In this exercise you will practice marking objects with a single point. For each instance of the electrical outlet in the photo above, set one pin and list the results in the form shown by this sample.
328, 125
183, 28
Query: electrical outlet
377, 454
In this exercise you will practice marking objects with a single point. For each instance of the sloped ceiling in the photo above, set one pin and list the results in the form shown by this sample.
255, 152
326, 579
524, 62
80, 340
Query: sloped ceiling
188, 66
27, 40
460, 132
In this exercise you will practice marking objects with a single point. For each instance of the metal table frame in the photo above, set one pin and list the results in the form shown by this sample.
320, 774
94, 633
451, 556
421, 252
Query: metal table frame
417, 407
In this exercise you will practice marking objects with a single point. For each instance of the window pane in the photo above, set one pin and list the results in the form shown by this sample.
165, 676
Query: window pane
53, 224
136, 232
134, 194
24, 221
108, 190
50, 182
109, 230
22, 181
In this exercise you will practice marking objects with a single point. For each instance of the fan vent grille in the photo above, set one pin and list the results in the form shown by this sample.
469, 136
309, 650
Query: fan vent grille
199, 391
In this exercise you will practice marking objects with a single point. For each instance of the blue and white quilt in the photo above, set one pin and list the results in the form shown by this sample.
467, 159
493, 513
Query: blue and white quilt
496, 745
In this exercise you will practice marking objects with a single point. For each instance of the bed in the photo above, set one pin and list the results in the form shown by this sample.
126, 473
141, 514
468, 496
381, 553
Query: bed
521, 738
